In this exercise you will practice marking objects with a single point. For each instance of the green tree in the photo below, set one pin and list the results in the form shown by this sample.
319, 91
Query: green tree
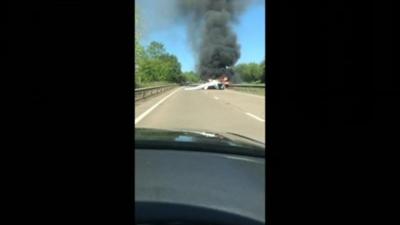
155, 50
157, 65
153, 63
262, 66
139, 50
191, 77
171, 68
249, 72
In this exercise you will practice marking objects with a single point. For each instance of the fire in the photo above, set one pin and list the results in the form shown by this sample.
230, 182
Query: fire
224, 80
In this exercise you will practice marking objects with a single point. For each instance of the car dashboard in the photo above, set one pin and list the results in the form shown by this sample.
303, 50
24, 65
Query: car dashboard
202, 188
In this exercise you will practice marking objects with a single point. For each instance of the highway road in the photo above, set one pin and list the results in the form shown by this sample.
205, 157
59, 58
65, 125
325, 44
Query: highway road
208, 110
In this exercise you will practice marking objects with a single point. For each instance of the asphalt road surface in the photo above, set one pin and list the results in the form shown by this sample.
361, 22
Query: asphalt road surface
207, 110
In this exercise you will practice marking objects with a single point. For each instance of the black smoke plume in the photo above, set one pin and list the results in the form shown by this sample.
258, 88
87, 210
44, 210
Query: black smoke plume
211, 33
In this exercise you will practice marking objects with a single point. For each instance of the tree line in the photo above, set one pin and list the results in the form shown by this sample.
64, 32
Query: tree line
154, 64
250, 72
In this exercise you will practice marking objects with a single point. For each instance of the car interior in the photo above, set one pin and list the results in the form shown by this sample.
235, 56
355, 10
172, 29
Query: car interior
193, 187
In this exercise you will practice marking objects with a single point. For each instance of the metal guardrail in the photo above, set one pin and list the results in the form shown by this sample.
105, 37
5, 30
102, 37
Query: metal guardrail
142, 93
238, 85
258, 89
247, 85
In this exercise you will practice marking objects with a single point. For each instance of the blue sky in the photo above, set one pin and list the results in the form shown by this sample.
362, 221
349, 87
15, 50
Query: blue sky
250, 31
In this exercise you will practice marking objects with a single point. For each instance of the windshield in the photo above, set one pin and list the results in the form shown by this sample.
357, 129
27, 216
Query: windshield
200, 67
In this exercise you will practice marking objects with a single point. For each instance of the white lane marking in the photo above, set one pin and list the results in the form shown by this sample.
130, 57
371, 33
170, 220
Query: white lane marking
255, 117
139, 118
216, 98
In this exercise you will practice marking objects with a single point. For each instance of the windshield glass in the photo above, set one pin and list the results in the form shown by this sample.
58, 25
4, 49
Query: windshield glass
200, 68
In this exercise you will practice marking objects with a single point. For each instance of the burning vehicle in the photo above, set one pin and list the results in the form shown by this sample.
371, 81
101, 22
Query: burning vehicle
219, 84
